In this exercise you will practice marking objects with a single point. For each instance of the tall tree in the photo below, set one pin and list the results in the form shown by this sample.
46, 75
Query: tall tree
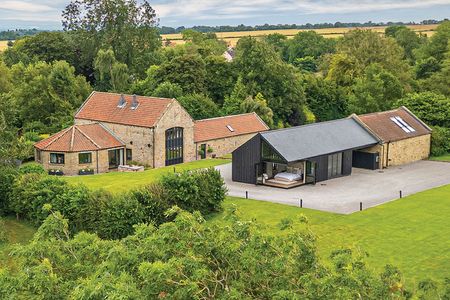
199, 106
259, 106
126, 26
113, 74
308, 43
232, 103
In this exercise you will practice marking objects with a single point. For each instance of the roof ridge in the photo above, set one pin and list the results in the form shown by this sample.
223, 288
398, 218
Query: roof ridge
131, 95
223, 117
380, 112
416, 117
307, 125
85, 135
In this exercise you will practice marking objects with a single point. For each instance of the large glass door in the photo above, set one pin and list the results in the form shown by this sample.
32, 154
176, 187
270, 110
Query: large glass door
310, 172
334, 165
115, 158
174, 146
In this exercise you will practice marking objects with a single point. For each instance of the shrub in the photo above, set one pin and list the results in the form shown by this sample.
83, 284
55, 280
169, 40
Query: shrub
3, 235
7, 177
202, 190
154, 200
440, 141
30, 168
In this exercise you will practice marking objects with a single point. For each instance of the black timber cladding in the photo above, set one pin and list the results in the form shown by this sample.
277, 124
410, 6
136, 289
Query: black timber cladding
365, 160
245, 159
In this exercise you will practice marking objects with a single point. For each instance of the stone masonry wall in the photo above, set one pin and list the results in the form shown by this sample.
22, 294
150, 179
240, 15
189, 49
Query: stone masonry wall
224, 146
138, 139
175, 116
409, 150
71, 164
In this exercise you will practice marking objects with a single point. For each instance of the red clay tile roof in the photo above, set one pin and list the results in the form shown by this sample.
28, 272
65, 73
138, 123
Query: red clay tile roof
103, 107
381, 124
88, 137
216, 128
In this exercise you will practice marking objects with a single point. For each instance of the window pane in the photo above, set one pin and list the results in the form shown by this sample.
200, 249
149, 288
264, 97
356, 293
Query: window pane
129, 154
85, 158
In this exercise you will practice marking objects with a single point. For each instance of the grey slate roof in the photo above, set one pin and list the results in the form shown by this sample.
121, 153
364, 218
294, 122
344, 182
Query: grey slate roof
307, 141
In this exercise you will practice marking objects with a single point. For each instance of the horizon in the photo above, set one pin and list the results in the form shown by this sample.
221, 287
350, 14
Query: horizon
46, 14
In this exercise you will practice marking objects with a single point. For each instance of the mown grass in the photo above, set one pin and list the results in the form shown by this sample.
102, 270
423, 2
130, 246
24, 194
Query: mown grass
445, 157
411, 233
16, 232
117, 182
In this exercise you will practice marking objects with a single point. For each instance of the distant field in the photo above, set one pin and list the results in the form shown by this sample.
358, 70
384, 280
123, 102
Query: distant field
233, 37
3, 45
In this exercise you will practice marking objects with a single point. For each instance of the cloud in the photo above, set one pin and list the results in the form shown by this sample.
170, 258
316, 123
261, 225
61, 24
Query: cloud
25, 6
232, 9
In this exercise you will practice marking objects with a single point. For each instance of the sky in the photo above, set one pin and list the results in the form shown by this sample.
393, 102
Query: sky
46, 14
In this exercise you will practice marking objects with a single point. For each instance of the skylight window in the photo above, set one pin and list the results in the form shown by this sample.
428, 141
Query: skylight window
402, 124
122, 103
230, 128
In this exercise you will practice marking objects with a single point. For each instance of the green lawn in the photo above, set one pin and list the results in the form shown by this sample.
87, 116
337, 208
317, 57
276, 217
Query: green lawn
411, 233
16, 232
117, 182
445, 157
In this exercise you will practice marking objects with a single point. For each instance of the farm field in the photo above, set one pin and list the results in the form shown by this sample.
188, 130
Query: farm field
3, 45
117, 182
233, 37
410, 233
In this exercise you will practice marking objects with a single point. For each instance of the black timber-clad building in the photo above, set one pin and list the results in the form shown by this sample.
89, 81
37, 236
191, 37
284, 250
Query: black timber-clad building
304, 154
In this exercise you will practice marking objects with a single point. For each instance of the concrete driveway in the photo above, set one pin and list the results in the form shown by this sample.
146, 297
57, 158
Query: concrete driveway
343, 195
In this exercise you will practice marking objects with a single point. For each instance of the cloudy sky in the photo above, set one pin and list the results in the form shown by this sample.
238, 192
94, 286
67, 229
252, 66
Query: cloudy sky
45, 14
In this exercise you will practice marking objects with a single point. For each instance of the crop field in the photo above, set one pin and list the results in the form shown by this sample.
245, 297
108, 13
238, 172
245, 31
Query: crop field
233, 37
3, 45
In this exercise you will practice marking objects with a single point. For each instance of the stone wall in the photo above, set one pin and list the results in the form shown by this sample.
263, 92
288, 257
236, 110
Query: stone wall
175, 116
224, 146
402, 151
138, 139
71, 164
409, 150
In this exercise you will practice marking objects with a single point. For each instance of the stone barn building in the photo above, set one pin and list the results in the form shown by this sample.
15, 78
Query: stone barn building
150, 131
404, 137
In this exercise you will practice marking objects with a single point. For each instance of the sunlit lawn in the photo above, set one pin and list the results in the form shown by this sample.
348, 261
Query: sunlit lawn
412, 233
117, 182
16, 232
445, 157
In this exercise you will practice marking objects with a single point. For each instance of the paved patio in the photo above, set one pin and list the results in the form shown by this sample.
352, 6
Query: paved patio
344, 194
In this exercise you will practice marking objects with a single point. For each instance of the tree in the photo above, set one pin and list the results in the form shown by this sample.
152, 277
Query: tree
188, 71
199, 106
432, 108
220, 77
427, 67
232, 103
308, 43
113, 75
361, 48
325, 99
259, 106
439, 82
168, 90
264, 72
406, 38
438, 43
277, 41
45, 95
188, 258
376, 91
128, 27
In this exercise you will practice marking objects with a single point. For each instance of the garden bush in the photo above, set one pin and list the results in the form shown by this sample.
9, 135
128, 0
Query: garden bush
155, 201
31, 167
7, 177
440, 141
3, 235
202, 190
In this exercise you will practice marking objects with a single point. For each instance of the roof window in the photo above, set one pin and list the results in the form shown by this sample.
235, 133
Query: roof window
134, 103
230, 128
402, 124
122, 103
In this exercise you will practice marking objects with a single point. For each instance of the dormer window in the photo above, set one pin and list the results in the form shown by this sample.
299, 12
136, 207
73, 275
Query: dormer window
230, 128
122, 102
